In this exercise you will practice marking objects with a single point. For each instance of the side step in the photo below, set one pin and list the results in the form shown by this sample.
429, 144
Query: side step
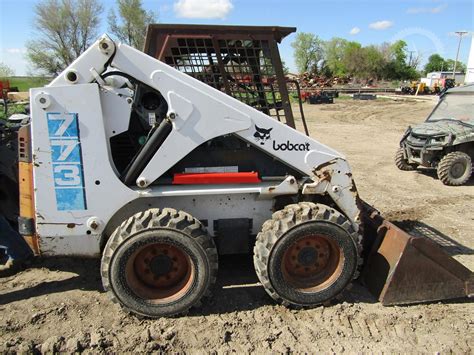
404, 269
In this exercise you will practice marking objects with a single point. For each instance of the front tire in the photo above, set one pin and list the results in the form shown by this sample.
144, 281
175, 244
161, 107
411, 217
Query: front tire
306, 255
401, 162
455, 169
159, 263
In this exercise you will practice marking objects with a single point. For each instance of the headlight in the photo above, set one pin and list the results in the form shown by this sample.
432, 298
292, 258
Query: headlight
438, 140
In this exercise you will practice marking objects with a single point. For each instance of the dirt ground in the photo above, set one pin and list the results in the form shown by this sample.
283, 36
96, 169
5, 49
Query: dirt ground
58, 304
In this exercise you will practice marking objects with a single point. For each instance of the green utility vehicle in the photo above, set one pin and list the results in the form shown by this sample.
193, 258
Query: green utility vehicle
445, 141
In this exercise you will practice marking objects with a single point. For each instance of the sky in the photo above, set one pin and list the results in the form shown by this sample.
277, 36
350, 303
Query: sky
427, 26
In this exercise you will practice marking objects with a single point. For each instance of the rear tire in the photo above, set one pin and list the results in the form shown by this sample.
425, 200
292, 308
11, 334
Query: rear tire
159, 263
455, 169
401, 162
307, 254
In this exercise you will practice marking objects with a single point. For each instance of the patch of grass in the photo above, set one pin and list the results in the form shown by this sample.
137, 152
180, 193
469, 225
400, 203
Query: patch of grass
344, 97
24, 83
384, 98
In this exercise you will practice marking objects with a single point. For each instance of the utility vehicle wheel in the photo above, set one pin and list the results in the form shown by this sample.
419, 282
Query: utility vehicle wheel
159, 263
401, 162
307, 254
455, 168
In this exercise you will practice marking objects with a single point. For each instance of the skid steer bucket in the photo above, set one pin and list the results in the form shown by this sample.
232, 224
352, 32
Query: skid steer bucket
404, 269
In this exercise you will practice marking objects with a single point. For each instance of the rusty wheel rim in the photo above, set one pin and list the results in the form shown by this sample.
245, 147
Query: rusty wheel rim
312, 263
160, 272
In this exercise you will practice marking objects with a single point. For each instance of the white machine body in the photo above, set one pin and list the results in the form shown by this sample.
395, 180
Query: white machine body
79, 196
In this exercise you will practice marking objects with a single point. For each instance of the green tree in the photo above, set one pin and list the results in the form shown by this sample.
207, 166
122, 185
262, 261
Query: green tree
5, 71
66, 28
374, 62
350, 58
435, 63
132, 23
334, 54
353, 59
449, 65
438, 63
397, 68
363, 62
398, 50
308, 51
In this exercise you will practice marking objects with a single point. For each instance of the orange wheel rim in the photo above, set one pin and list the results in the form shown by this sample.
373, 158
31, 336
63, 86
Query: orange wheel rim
312, 263
160, 272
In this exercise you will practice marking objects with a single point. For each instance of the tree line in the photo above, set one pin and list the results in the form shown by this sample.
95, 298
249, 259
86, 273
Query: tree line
66, 28
438, 63
340, 57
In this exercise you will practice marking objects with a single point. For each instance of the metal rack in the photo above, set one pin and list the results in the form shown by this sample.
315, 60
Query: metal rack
242, 61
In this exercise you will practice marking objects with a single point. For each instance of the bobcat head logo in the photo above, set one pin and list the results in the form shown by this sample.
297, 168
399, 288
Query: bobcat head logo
261, 134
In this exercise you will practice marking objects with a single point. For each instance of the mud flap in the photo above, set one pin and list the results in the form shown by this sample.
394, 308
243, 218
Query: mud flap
404, 269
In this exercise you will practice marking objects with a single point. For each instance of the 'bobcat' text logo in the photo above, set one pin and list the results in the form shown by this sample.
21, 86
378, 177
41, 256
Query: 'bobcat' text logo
302, 147
261, 134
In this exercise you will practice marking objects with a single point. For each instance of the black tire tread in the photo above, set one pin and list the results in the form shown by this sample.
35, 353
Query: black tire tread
281, 222
445, 165
158, 218
401, 162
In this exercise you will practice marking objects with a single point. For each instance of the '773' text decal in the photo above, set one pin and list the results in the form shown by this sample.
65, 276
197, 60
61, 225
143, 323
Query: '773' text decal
66, 157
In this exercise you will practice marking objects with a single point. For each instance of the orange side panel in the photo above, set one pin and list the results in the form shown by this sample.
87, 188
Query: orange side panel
27, 206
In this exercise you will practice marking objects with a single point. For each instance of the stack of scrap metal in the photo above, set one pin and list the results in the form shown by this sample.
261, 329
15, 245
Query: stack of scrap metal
313, 81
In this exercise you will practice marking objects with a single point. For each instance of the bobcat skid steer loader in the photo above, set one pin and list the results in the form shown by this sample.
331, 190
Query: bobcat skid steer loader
158, 173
